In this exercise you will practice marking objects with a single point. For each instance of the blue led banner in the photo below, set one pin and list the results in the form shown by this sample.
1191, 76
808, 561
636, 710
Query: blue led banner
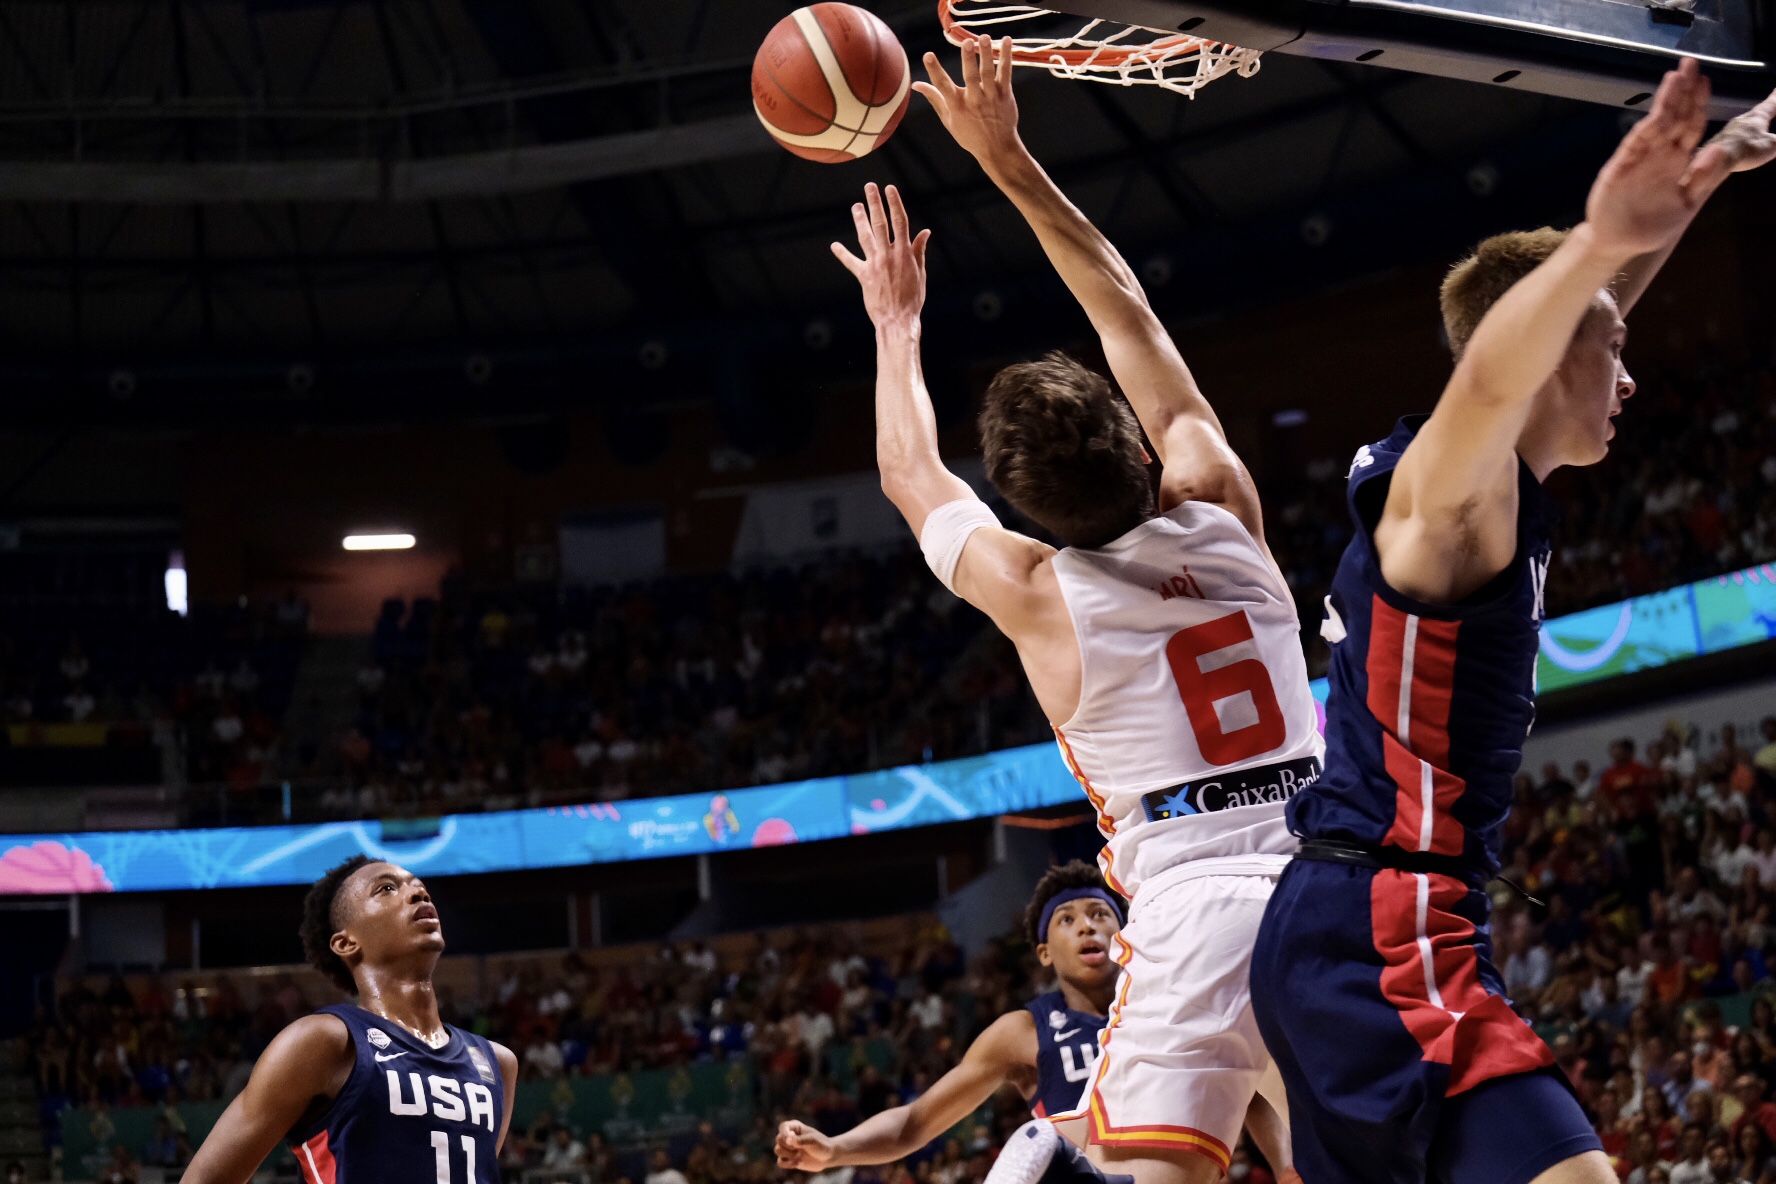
1707, 617
974, 787
564, 836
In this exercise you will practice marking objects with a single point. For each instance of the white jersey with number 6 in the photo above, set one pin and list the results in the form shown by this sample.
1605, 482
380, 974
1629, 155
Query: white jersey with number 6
1190, 668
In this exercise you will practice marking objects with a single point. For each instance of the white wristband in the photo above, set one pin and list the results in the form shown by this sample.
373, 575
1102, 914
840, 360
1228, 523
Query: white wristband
947, 530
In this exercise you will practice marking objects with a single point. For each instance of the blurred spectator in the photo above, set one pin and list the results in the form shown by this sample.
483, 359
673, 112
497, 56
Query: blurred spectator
661, 1171
564, 1152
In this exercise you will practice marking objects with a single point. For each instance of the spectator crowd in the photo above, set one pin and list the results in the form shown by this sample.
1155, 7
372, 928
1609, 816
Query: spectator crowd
1647, 970
209, 688
489, 698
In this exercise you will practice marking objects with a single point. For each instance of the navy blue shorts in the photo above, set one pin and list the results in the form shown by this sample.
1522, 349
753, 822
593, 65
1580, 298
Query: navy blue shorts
1377, 997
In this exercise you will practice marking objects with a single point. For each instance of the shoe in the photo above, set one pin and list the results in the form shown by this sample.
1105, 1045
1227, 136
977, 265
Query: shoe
1037, 1153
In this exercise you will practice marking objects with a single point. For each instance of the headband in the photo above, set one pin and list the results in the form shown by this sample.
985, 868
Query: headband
1067, 897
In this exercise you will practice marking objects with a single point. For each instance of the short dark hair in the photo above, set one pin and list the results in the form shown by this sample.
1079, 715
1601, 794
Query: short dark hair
319, 924
1056, 880
1065, 450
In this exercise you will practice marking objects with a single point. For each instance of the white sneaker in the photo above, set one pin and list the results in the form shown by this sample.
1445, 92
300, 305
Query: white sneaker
1026, 1155
1037, 1152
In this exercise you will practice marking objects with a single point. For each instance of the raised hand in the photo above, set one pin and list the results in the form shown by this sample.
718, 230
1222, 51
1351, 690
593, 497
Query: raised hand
1648, 191
982, 112
1745, 143
892, 269
801, 1148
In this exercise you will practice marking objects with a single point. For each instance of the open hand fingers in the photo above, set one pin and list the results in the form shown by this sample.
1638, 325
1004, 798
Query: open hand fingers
1661, 113
897, 215
865, 236
941, 81
923, 238
971, 63
1708, 168
1693, 118
878, 218
934, 97
1002, 64
1680, 109
852, 264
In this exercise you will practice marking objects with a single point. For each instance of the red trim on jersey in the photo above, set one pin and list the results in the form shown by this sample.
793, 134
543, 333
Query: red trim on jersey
1411, 670
1106, 824
1039, 1110
1443, 1004
1433, 687
1408, 773
1100, 1129
315, 1161
1387, 630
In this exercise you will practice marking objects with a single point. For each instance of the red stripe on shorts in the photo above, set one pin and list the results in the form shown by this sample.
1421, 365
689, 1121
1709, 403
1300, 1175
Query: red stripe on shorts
1431, 976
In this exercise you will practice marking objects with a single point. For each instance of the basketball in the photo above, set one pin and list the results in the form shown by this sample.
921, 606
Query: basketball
831, 82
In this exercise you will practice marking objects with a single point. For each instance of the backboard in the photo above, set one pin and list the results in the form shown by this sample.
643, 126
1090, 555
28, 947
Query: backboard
1603, 51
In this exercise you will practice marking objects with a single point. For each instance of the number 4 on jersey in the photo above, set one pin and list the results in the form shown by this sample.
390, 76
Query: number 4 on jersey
1203, 689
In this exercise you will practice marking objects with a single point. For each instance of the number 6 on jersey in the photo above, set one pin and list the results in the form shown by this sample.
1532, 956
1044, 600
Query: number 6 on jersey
1209, 693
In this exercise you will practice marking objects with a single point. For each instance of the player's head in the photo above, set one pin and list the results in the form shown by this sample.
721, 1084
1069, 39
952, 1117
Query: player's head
1070, 920
366, 912
1065, 451
1570, 421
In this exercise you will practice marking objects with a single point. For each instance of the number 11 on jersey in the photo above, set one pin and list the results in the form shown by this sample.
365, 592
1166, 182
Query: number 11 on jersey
441, 1156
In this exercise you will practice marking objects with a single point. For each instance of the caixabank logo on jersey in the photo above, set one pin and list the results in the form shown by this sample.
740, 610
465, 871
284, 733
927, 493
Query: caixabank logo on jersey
1229, 791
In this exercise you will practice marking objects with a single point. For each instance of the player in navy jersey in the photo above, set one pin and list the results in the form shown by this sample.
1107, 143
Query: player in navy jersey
1373, 977
1045, 1049
377, 1092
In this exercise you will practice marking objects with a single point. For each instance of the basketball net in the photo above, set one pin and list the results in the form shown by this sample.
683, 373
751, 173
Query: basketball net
1101, 51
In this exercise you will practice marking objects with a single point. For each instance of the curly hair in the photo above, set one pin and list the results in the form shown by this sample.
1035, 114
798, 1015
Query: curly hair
1477, 282
1065, 451
1058, 879
319, 924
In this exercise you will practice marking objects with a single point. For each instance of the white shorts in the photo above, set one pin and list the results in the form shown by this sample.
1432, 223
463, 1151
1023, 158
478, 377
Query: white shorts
1182, 1056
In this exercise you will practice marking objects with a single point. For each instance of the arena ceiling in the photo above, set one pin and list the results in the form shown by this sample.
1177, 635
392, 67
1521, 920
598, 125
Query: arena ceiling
268, 187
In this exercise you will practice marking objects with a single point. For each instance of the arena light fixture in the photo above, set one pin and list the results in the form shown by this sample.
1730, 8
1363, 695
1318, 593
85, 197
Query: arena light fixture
378, 542
178, 595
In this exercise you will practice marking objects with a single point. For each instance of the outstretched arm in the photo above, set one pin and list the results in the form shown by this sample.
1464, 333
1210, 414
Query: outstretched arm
1745, 143
1449, 524
981, 114
989, 1063
996, 565
303, 1066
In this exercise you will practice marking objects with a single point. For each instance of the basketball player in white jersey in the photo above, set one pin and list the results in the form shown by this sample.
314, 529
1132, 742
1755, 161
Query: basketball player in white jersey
1161, 641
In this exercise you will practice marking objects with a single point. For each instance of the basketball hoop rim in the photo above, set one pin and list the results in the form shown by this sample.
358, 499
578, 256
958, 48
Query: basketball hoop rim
1165, 45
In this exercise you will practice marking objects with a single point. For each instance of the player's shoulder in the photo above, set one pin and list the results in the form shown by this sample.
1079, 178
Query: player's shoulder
316, 1048
508, 1060
1009, 1040
1381, 456
321, 1030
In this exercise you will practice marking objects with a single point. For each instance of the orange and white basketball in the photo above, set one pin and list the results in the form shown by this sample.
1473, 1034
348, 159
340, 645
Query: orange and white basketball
831, 82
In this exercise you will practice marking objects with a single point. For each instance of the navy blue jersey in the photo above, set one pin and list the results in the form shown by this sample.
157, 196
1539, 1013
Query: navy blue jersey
408, 1113
1066, 1053
1430, 704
